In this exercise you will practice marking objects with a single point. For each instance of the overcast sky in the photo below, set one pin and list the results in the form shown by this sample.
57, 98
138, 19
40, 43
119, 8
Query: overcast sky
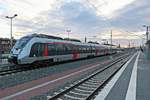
91, 18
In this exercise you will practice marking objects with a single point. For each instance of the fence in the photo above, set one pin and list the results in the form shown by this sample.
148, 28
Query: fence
148, 49
4, 58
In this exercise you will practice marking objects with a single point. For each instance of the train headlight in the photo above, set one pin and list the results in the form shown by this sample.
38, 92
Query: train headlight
18, 50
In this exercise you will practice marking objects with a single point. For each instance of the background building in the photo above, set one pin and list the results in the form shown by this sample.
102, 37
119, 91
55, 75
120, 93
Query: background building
5, 45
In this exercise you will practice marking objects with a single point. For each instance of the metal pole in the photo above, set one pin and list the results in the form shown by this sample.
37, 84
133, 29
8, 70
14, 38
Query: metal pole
111, 43
11, 39
147, 33
68, 35
0, 52
111, 39
85, 40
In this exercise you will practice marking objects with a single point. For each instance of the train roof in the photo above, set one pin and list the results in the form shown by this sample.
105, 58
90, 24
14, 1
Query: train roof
71, 41
44, 36
93, 42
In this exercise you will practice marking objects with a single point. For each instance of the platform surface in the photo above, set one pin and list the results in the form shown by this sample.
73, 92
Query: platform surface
132, 82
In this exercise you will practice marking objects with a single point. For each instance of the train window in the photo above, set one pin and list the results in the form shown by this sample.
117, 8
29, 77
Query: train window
71, 48
80, 50
40, 49
34, 50
67, 49
22, 42
77, 48
37, 50
52, 49
88, 49
93, 49
84, 49
60, 49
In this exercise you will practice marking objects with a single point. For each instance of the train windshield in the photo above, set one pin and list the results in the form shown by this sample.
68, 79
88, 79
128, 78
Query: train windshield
22, 42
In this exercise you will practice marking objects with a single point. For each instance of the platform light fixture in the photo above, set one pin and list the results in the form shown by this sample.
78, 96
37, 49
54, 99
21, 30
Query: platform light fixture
11, 37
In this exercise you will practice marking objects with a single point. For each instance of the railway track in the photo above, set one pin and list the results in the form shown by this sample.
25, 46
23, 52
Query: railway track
17, 68
14, 69
88, 87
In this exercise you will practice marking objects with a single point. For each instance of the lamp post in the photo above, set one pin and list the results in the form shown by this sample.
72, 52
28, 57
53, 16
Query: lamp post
0, 51
85, 39
11, 37
147, 31
68, 31
111, 39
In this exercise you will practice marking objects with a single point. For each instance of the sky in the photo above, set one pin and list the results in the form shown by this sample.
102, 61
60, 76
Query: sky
93, 19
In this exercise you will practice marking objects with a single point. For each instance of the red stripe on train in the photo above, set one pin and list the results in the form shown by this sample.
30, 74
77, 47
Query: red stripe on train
45, 53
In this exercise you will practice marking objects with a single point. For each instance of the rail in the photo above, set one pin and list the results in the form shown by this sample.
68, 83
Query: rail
90, 83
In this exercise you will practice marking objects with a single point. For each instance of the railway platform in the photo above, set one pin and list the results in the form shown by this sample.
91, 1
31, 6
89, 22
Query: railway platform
3, 61
132, 82
4, 64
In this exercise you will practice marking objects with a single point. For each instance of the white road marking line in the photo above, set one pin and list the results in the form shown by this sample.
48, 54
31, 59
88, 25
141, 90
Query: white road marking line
44, 84
131, 92
105, 91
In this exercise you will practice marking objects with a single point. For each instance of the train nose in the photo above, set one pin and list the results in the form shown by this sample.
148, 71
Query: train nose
12, 59
16, 51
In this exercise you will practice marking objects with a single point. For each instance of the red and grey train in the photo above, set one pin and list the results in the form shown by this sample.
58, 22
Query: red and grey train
39, 48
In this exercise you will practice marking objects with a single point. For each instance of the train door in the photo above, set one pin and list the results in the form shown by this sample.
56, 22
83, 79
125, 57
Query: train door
37, 50
75, 52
